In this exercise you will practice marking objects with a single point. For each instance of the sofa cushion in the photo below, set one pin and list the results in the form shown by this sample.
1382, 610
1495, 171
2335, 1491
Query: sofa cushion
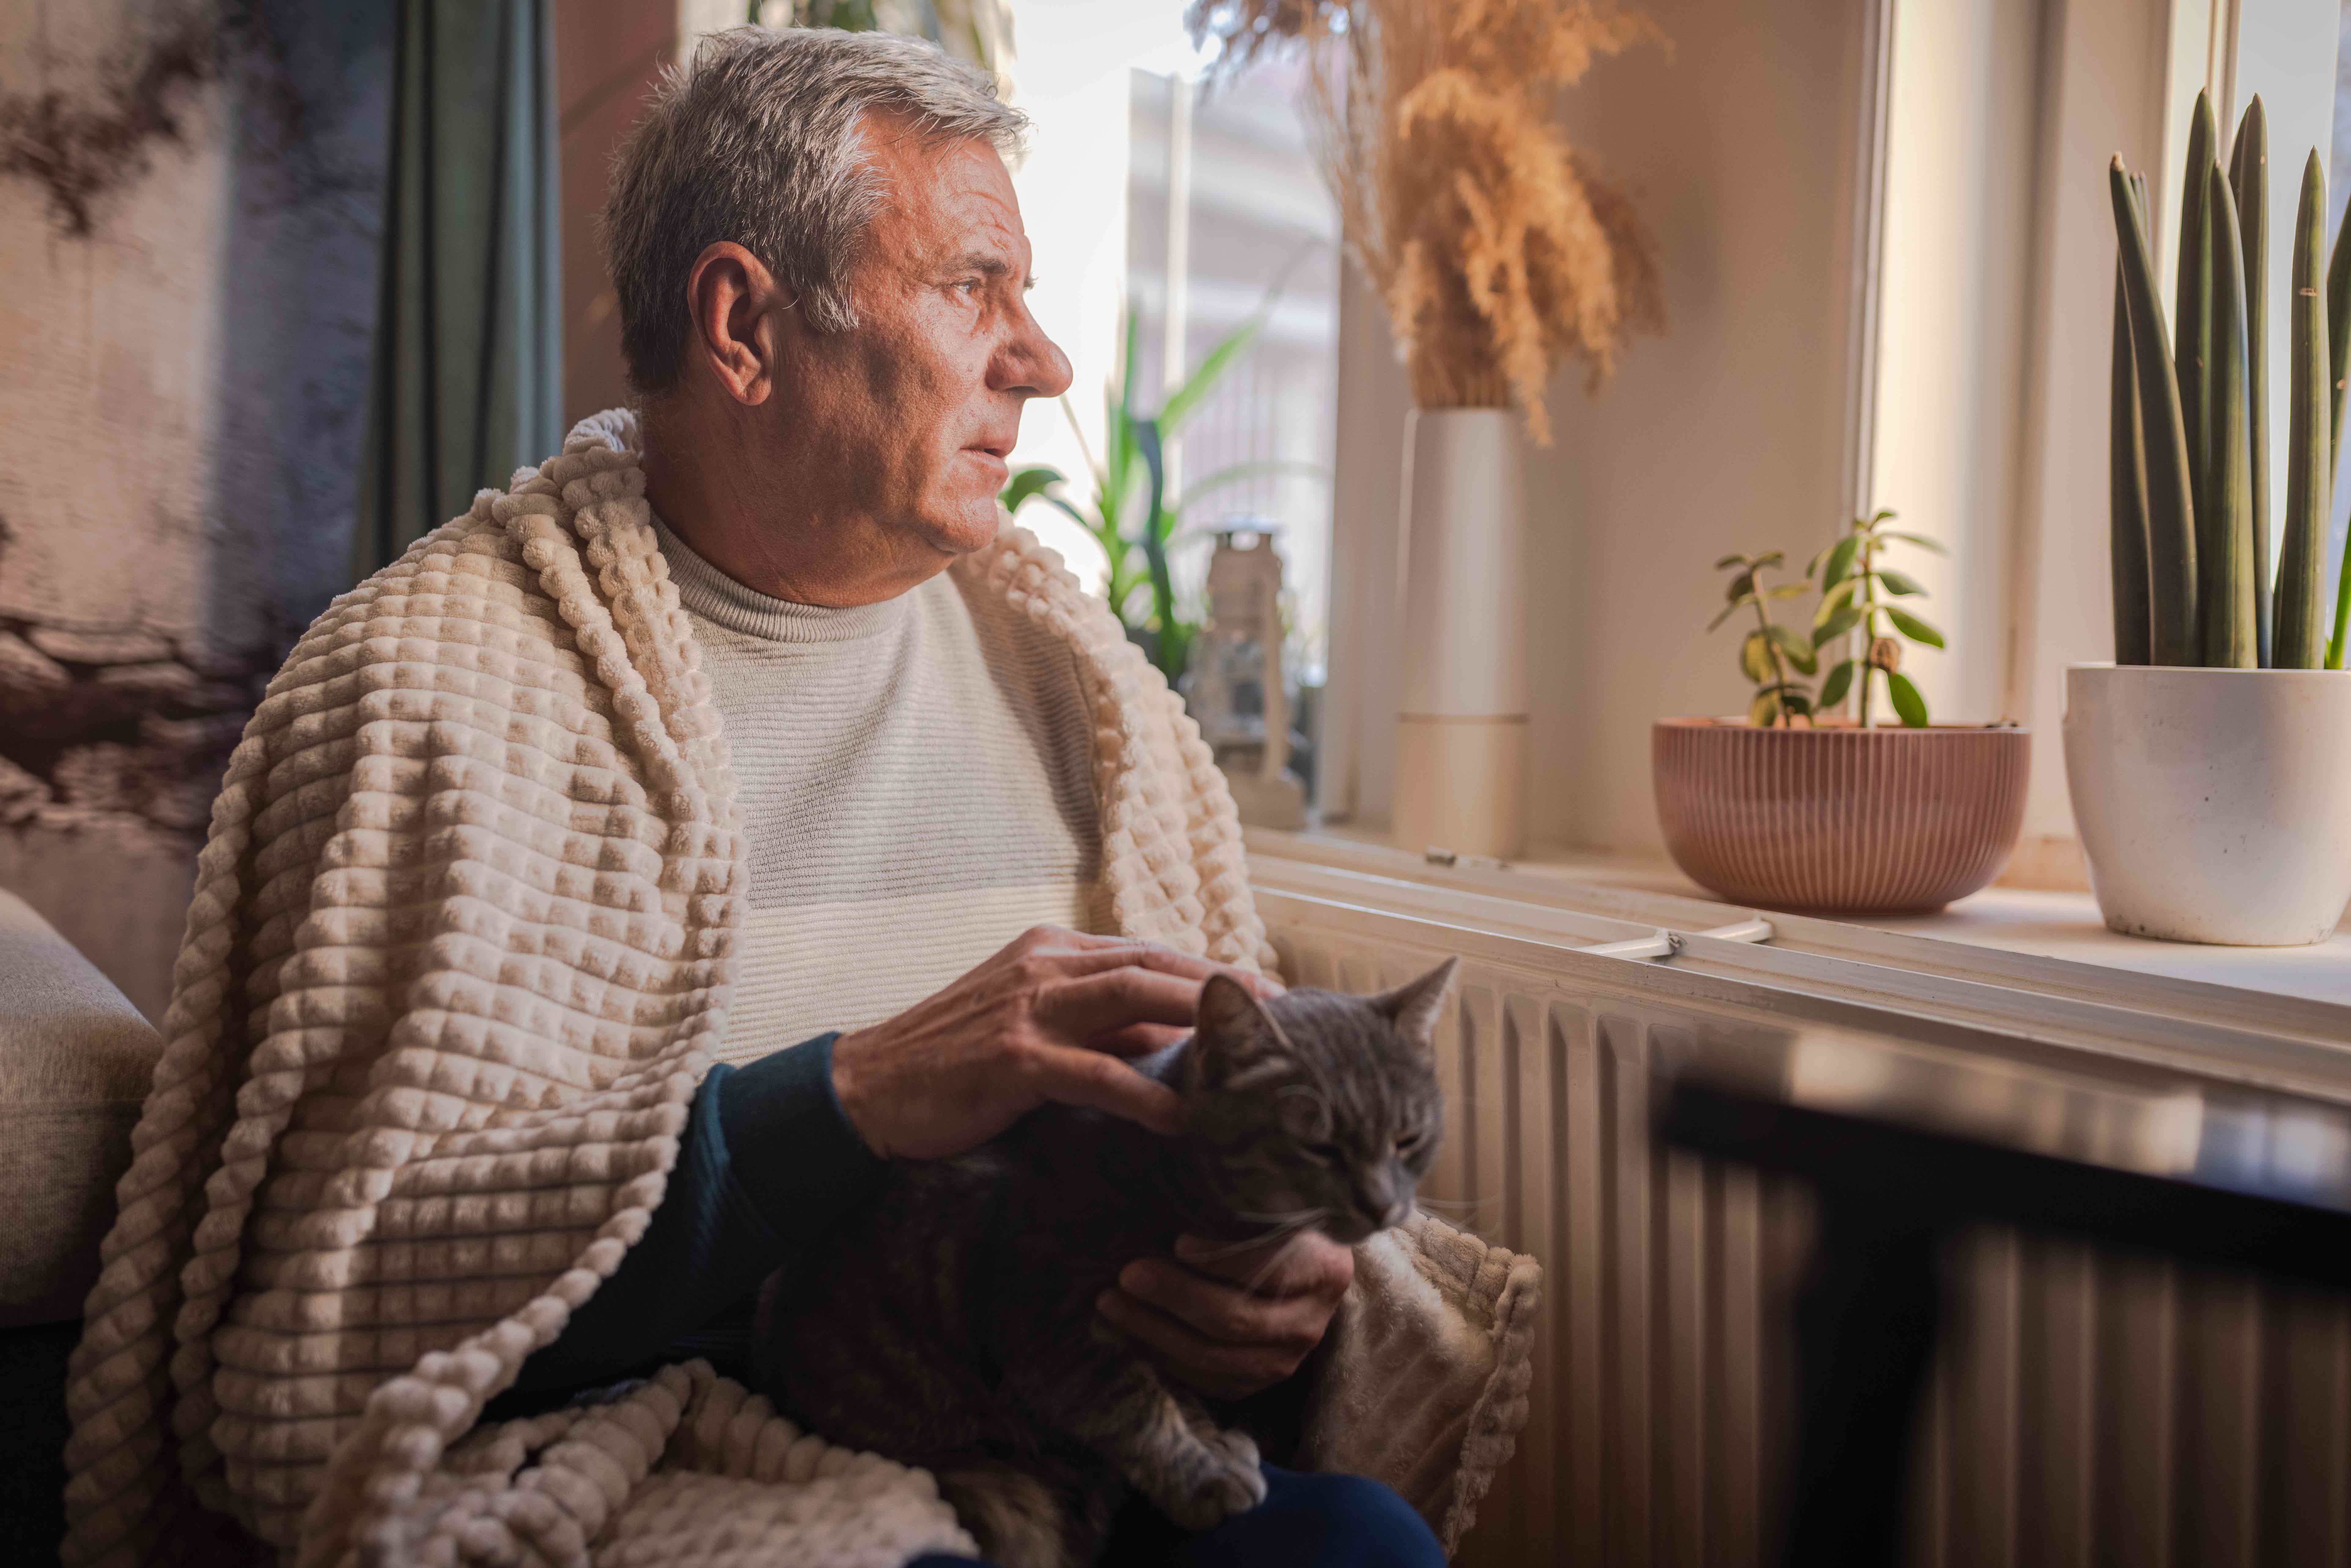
75, 1060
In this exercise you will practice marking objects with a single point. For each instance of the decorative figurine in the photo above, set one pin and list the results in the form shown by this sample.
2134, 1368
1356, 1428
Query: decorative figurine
1234, 689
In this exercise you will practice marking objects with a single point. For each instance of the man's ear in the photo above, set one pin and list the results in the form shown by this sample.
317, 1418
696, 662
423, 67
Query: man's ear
737, 304
1416, 1005
1232, 1032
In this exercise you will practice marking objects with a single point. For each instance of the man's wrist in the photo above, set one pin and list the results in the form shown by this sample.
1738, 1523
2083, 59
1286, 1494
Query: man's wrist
790, 1144
849, 1090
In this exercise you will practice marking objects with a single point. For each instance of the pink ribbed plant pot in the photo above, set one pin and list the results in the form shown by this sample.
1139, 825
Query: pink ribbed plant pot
1839, 818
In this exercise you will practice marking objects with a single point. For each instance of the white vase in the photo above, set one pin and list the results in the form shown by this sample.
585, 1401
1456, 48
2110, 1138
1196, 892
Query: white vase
1460, 636
2214, 805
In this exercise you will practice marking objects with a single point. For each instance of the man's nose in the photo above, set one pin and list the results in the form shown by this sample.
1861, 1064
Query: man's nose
1031, 364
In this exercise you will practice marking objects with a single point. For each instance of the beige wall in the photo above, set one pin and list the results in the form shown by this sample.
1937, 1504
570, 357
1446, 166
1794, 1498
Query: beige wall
1729, 433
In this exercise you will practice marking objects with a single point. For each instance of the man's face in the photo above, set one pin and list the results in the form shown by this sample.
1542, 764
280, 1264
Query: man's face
906, 419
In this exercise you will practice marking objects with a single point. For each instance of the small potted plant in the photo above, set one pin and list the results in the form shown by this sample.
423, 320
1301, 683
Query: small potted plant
1793, 808
2210, 763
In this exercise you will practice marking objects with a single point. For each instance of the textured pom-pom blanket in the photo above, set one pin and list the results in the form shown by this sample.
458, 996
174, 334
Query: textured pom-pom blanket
459, 956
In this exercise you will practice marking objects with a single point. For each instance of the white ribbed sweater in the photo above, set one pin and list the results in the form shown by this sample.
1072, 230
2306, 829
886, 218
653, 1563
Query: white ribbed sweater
914, 781
459, 952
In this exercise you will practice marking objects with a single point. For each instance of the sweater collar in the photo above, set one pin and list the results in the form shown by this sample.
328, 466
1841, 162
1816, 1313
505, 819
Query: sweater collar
709, 592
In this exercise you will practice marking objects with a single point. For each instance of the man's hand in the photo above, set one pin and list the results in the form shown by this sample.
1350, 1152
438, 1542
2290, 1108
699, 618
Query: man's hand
1229, 1323
1046, 1019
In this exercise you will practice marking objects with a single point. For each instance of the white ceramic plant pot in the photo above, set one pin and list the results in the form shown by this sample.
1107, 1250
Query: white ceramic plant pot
1461, 661
2214, 805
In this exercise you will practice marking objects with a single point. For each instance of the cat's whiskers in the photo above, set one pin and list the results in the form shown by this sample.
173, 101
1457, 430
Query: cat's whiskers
1272, 1238
1284, 1227
1267, 1269
1279, 1238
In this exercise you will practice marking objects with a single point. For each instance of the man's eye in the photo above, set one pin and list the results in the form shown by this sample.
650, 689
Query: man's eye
970, 286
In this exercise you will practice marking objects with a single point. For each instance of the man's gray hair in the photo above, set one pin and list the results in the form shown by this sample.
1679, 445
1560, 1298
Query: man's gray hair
758, 143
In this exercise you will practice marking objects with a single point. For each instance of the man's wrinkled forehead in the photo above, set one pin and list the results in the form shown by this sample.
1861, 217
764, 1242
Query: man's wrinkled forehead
943, 202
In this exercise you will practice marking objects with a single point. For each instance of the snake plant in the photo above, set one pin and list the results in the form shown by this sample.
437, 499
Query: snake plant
2188, 434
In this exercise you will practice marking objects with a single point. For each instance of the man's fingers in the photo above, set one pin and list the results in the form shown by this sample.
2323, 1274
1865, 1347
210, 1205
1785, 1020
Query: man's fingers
1307, 1264
1092, 1006
1083, 953
1222, 1371
1117, 952
1039, 939
1137, 1039
1223, 1312
1073, 1076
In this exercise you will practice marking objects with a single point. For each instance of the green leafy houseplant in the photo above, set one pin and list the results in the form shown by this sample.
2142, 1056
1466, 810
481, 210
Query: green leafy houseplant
1133, 521
1854, 591
2189, 454
1767, 654
1831, 815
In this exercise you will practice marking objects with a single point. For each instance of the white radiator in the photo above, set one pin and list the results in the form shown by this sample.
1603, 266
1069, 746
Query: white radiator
2089, 1409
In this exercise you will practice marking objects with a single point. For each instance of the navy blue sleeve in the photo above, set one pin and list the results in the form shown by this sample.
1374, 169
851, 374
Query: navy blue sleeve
768, 1160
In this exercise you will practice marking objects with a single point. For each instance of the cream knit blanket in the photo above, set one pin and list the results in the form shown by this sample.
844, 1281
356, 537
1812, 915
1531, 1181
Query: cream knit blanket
457, 957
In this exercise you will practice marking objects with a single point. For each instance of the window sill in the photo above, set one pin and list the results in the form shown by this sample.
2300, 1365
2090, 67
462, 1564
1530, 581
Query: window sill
2064, 927
2031, 969
2067, 925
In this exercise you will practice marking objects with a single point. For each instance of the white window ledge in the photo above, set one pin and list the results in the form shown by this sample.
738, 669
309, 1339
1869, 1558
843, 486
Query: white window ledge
2067, 925
2035, 968
2059, 925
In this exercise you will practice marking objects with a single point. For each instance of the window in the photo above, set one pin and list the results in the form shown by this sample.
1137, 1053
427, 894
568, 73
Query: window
1199, 210
1227, 221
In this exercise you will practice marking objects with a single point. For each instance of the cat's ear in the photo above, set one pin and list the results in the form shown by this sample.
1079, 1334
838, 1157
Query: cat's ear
1232, 1031
1227, 1008
1416, 1006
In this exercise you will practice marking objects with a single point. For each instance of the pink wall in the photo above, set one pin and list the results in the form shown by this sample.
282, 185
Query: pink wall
609, 55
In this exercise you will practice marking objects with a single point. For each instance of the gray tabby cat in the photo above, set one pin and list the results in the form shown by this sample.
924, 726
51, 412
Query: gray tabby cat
950, 1322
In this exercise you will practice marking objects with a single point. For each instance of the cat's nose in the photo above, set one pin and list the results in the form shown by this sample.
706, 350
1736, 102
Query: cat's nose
1383, 1200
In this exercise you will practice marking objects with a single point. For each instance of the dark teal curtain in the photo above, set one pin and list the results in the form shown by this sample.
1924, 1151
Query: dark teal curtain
468, 347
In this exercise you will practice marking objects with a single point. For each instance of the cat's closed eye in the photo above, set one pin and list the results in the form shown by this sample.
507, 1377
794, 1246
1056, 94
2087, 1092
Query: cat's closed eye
1321, 1154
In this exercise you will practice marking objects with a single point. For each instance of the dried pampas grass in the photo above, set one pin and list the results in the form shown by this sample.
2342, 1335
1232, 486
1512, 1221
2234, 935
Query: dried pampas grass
1497, 247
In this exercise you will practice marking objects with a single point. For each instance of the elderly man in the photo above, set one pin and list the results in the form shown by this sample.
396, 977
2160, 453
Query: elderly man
825, 432
739, 724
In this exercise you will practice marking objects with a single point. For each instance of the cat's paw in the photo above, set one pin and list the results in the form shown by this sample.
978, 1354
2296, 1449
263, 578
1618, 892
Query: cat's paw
1225, 1480
1236, 1449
